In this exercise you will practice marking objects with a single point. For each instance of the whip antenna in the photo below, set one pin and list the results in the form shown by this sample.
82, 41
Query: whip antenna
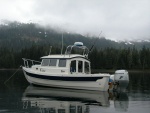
62, 44
95, 42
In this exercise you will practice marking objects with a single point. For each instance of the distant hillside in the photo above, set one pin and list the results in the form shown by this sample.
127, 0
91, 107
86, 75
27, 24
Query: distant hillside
23, 35
20, 40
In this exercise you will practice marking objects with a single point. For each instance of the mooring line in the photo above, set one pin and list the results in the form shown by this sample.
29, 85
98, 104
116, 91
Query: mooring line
12, 75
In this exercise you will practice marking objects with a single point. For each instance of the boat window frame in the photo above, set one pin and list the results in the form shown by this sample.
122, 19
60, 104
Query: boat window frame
76, 61
73, 69
73, 109
87, 68
55, 63
62, 110
62, 60
43, 61
82, 66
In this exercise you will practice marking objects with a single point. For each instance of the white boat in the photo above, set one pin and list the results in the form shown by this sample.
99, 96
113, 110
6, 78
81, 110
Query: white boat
66, 71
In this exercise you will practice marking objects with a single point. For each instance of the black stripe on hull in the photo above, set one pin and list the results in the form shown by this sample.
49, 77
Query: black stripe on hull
63, 78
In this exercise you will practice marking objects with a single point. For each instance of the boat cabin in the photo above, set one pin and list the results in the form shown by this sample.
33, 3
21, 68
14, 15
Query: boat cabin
65, 64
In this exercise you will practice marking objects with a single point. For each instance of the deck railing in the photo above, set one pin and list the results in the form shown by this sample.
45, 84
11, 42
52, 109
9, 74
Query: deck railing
28, 62
85, 50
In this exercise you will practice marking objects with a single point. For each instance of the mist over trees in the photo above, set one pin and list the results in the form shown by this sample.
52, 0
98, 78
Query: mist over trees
29, 40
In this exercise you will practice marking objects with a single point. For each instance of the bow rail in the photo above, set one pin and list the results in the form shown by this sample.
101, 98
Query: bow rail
28, 62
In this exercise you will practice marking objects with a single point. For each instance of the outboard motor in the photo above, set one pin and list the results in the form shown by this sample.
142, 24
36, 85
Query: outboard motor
120, 80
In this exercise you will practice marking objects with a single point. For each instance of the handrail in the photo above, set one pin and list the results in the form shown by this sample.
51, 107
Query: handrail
84, 48
26, 62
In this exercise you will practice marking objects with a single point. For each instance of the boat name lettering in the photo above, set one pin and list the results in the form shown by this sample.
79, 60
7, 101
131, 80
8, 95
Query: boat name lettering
62, 71
42, 70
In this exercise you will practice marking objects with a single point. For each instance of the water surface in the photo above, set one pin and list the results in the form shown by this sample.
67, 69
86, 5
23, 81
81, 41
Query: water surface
18, 96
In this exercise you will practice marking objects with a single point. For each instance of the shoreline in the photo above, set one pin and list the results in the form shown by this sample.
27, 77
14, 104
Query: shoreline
93, 70
113, 71
10, 69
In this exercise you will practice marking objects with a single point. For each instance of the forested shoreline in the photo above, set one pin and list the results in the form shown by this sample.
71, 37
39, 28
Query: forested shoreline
30, 40
107, 58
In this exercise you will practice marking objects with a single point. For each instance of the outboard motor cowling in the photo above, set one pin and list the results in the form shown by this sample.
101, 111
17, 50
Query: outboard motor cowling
121, 78
121, 75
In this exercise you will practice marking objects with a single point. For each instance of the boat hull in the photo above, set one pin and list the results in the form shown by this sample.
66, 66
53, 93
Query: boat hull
83, 82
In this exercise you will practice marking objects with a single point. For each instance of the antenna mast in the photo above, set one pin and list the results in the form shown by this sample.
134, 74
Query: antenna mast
95, 42
50, 50
62, 41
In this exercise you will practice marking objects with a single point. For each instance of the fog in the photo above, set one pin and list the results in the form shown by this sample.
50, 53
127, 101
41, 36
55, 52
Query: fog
118, 19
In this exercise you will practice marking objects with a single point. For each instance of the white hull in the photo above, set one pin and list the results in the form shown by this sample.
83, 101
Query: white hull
99, 84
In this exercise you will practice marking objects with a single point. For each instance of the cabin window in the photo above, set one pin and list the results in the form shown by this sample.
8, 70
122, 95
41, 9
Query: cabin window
72, 109
79, 109
62, 63
80, 66
51, 110
45, 62
87, 68
53, 62
61, 111
73, 66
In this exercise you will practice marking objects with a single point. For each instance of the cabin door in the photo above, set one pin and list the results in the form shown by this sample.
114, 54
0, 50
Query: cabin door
73, 67
76, 66
80, 66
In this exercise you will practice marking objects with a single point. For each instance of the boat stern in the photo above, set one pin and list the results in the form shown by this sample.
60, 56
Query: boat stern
104, 82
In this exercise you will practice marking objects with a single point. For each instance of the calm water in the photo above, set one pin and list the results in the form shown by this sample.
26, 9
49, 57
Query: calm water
17, 96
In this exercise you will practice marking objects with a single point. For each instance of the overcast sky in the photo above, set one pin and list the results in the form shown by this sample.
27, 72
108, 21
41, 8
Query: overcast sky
117, 19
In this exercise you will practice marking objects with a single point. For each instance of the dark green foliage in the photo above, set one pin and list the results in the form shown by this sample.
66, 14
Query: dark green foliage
13, 59
20, 40
111, 58
108, 58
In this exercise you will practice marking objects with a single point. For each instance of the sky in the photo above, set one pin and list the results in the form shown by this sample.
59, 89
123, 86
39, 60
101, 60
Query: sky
117, 19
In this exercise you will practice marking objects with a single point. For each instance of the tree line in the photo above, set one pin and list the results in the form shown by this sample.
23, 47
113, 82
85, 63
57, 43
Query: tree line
127, 58
107, 58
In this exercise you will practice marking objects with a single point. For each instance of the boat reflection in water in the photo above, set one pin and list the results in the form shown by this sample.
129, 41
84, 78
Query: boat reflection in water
121, 101
54, 100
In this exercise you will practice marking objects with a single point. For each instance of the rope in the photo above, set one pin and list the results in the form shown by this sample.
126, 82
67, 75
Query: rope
12, 75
